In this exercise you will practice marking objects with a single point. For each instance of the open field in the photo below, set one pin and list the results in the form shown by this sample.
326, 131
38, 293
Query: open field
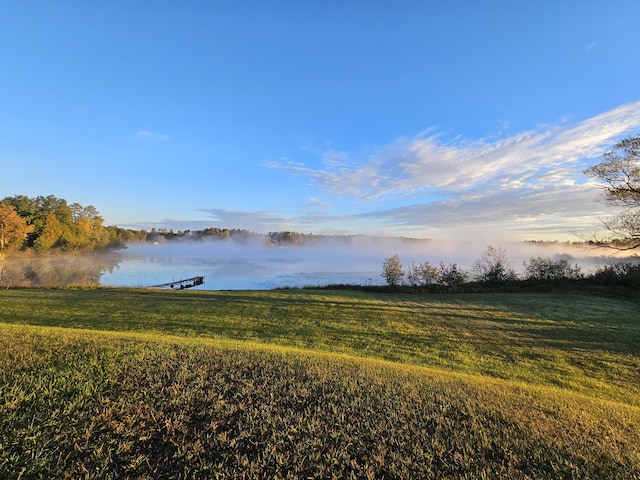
117, 383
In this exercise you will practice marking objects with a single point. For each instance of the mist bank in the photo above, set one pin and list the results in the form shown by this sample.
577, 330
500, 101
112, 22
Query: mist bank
253, 263
257, 262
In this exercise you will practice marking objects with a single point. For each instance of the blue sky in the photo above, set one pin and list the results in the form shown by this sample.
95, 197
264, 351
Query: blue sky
453, 119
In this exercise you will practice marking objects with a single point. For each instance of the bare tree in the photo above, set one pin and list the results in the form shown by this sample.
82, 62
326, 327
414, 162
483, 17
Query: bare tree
619, 170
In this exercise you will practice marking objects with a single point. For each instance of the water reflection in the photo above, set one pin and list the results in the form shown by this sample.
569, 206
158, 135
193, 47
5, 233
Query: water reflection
63, 270
244, 266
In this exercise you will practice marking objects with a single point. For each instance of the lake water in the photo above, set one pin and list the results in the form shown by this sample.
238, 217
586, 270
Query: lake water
233, 266
252, 265
227, 265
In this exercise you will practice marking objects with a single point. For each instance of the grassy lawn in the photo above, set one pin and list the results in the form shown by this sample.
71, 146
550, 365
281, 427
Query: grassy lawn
123, 383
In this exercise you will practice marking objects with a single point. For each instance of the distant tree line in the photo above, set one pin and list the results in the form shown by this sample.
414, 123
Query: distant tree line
272, 239
161, 234
492, 271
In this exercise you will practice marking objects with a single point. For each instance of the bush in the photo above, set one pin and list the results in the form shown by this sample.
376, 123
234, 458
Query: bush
548, 269
451, 275
493, 267
623, 274
422, 274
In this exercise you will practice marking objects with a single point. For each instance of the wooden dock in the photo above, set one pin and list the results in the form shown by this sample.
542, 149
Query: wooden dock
181, 284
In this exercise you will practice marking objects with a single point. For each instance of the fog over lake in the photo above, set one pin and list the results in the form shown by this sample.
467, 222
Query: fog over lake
248, 265
352, 260
253, 264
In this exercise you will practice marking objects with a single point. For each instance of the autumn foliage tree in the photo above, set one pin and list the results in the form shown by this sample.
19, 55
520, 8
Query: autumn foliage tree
50, 235
13, 228
46, 223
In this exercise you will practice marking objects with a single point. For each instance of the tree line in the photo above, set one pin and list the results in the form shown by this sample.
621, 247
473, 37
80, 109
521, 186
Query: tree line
43, 224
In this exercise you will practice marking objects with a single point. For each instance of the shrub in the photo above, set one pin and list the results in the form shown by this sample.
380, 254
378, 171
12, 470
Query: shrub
451, 275
548, 269
626, 274
492, 267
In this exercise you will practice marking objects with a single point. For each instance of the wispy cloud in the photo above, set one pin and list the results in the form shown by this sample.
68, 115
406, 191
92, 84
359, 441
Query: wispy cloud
536, 214
531, 181
151, 136
315, 204
423, 165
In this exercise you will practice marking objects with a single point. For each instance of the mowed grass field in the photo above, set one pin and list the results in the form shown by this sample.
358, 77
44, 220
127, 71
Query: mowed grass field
125, 383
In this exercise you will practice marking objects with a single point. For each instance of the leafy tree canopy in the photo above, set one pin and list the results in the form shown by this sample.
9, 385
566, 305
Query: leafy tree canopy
49, 223
13, 228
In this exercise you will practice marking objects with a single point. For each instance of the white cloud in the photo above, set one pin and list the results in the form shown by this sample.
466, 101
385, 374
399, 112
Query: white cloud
515, 214
529, 182
147, 135
315, 204
421, 165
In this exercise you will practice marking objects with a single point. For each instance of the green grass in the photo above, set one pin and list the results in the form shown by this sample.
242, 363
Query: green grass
586, 343
117, 383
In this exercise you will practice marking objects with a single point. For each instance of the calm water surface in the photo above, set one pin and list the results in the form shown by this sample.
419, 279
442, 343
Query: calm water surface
228, 266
